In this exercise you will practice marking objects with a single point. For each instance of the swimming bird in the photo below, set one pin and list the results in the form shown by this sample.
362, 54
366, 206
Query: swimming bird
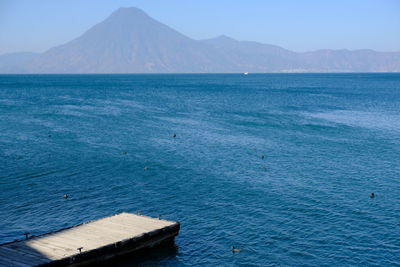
65, 196
235, 250
262, 156
372, 195
174, 135
146, 168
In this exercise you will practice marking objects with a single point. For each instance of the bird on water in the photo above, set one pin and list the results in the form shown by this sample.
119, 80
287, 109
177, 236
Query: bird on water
174, 135
65, 196
372, 195
234, 249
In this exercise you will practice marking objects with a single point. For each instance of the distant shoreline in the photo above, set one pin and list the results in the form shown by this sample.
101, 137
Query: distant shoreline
200, 73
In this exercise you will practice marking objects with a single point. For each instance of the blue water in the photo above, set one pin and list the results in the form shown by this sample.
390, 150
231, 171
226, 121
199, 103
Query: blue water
328, 141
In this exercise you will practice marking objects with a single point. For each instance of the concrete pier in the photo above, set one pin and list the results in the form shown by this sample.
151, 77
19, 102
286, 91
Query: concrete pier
89, 243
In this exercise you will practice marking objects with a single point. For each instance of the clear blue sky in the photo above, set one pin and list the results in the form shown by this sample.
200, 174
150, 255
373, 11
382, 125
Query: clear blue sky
28, 25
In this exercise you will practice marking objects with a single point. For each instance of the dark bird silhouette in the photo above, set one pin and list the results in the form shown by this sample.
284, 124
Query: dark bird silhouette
174, 135
65, 196
372, 195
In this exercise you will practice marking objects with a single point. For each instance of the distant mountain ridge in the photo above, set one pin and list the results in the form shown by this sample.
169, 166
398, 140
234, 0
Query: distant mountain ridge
130, 41
14, 62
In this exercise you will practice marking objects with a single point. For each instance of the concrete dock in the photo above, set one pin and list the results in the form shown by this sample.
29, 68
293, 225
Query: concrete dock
89, 243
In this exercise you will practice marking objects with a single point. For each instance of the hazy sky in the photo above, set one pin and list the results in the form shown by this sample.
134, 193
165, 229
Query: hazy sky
28, 25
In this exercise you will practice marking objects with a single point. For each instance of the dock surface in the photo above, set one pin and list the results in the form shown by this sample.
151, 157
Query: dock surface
90, 242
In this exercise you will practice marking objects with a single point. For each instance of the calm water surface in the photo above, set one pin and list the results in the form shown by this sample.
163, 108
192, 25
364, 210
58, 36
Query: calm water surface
328, 141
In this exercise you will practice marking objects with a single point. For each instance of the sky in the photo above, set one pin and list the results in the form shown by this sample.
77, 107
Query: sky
35, 26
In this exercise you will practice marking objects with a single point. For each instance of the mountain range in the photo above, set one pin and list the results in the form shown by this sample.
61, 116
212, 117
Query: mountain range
130, 41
